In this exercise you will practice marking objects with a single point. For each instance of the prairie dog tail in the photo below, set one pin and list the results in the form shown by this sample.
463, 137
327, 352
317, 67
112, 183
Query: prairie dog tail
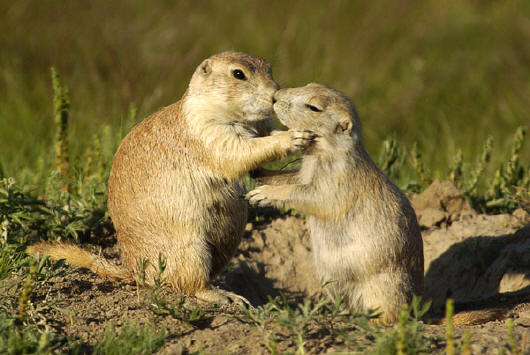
474, 317
76, 256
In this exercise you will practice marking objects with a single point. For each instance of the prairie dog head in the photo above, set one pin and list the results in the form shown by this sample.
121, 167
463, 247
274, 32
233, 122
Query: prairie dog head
236, 84
325, 111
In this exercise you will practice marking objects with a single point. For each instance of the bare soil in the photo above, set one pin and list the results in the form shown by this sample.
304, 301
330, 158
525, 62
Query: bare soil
482, 261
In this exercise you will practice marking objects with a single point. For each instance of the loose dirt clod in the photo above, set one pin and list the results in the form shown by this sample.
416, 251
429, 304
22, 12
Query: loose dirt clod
440, 202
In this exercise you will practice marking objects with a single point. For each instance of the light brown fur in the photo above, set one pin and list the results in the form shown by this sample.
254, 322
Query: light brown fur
96, 263
475, 317
365, 237
175, 185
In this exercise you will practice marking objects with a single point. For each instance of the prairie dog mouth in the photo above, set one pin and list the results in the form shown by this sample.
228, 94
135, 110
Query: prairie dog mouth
281, 106
280, 109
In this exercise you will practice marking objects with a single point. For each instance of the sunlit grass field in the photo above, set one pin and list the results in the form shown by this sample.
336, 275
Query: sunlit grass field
443, 74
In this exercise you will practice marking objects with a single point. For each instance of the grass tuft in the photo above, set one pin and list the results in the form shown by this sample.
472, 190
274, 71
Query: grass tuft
401, 343
456, 172
481, 166
391, 157
417, 163
450, 348
61, 108
15, 340
27, 289
511, 338
130, 339
511, 184
407, 337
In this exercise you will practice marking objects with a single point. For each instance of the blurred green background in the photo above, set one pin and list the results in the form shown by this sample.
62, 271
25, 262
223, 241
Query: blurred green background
445, 74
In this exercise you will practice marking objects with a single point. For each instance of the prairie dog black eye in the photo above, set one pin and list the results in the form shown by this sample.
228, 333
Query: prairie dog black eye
313, 108
238, 74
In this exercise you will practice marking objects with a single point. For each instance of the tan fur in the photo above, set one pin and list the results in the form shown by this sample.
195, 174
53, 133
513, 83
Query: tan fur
175, 184
476, 317
365, 237
273, 177
82, 258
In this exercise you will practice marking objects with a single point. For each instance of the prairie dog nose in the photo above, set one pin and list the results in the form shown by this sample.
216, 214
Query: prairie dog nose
276, 96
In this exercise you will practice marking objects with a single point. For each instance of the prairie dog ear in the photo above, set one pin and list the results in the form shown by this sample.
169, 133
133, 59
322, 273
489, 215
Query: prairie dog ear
206, 67
344, 126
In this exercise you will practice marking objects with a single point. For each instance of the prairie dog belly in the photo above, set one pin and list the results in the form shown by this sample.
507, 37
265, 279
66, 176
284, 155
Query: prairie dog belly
346, 250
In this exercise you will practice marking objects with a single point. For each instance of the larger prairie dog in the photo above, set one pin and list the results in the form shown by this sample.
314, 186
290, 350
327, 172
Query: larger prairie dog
175, 184
365, 237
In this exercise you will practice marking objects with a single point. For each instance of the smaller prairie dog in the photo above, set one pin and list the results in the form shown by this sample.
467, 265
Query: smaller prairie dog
175, 184
365, 237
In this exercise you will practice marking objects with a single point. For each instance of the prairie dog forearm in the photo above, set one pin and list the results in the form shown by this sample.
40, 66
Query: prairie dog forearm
248, 153
297, 196
273, 177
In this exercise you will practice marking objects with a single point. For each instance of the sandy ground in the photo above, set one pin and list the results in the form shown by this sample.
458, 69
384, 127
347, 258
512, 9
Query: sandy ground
482, 261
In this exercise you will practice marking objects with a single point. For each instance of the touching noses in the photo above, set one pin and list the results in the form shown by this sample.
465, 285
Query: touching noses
273, 94
275, 97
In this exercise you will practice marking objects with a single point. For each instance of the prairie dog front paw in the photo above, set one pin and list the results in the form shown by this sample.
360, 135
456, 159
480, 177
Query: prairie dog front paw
301, 139
266, 195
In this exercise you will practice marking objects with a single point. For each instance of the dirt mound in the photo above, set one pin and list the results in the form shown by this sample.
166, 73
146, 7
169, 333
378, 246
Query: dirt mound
481, 261
473, 258
439, 203
476, 258
274, 258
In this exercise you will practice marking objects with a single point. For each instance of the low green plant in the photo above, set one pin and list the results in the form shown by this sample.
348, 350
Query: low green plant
316, 318
450, 347
511, 185
25, 340
69, 199
19, 333
180, 311
61, 108
401, 342
160, 305
27, 289
177, 310
392, 157
298, 319
11, 259
272, 344
259, 316
160, 280
130, 339
278, 312
456, 172
407, 336
511, 338
471, 185
24, 217
143, 264
424, 177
